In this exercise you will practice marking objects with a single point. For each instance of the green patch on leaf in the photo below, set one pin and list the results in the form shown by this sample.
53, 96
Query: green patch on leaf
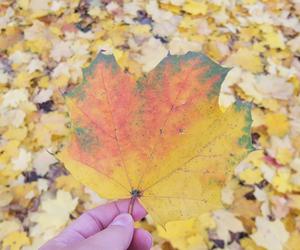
77, 92
85, 138
139, 85
108, 60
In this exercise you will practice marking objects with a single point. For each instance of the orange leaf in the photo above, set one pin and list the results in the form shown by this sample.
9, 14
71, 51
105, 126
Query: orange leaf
161, 139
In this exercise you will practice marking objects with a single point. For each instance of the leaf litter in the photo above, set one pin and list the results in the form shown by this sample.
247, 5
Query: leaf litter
34, 124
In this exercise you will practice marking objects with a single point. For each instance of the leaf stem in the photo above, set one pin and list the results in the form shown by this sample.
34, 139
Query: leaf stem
131, 205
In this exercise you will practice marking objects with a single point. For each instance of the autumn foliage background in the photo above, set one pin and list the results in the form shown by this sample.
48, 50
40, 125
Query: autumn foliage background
45, 44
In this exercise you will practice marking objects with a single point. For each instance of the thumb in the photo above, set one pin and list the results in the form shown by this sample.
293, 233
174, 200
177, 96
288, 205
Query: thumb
117, 236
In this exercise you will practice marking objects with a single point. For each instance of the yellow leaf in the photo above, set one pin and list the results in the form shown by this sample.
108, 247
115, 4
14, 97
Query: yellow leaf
38, 14
148, 59
54, 213
281, 182
55, 122
248, 32
11, 36
277, 124
67, 183
271, 104
188, 234
22, 193
171, 7
256, 158
251, 176
296, 82
5, 196
15, 240
249, 244
52, 126
178, 232
273, 38
61, 81
245, 209
18, 134
7, 227
253, 62
216, 50
284, 156
22, 80
140, 29
195, 7
258, 117
39, 46
9, 150
259, 47
296, 142
294, 201
293, 242
124, 60
270, 234
44, 82
24, 4
72, 18
56, 31
42, 136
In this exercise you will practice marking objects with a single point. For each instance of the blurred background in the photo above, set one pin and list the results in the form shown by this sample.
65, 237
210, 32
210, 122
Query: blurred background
44, 44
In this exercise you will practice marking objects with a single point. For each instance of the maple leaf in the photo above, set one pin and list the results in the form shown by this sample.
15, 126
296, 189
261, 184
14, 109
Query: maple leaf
161, 139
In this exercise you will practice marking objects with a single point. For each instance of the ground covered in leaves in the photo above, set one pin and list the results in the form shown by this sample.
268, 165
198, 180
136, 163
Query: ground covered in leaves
45, 43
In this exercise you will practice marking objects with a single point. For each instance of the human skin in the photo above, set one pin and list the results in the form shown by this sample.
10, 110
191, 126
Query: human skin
104, 227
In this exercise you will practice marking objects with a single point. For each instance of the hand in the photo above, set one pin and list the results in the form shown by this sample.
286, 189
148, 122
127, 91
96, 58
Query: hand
107, 227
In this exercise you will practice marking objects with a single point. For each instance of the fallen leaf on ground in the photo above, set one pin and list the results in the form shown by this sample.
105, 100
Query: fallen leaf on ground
270, 234
15, 240
277, 124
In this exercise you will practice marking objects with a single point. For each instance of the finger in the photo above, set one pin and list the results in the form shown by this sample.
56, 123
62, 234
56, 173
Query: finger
95, 220
142, 240
117, 236
100, 217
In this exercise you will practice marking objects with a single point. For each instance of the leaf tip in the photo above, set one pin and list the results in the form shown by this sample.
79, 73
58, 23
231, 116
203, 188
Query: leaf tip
108, 60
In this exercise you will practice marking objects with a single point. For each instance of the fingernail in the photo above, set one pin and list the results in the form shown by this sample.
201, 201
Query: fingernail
148, 240
122, 220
